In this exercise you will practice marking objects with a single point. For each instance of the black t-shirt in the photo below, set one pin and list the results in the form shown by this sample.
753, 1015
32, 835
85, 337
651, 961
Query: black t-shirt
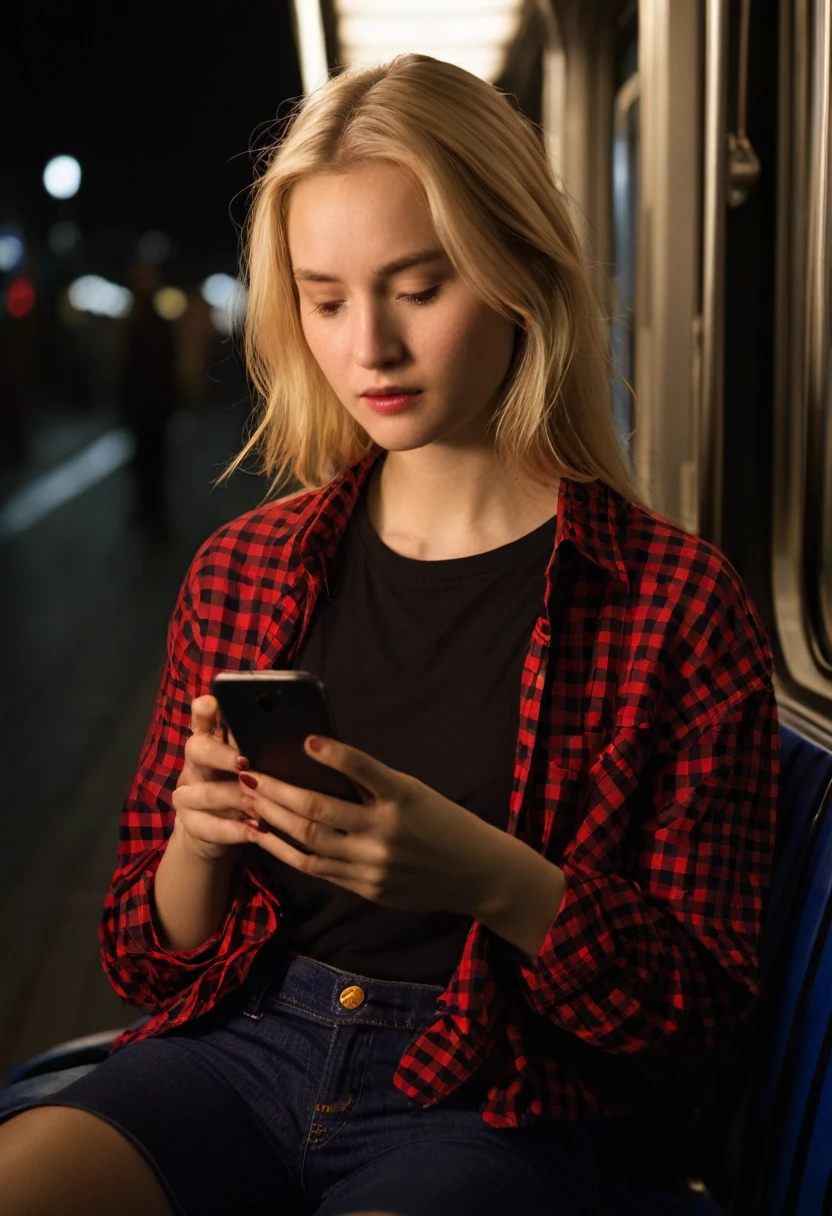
422, 662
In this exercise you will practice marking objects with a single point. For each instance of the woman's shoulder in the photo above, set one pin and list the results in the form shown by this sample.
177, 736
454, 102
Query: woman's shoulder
692, 586
653, 543
257, 544
656, 550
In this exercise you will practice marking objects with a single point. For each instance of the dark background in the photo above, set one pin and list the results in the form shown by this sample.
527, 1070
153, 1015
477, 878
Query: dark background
159, 102
164, 107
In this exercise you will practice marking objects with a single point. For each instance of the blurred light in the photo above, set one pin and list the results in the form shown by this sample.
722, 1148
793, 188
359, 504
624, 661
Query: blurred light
62, 177
20, 298
93, 294
170, 302
474, 34
12, 249
63, 237
217, 289
153, 247
67, 481
220, 320
311, 44
228, 299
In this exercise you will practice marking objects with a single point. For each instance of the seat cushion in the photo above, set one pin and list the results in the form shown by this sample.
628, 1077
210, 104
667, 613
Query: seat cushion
21, 1093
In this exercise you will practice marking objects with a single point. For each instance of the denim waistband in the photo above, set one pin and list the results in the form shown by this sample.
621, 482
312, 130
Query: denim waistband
336, 996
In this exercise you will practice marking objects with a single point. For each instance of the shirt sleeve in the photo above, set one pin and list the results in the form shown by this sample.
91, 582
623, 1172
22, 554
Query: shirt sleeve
658, 947
139, 967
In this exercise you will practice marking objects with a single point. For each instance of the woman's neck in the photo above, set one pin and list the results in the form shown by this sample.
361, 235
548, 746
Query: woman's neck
434, 505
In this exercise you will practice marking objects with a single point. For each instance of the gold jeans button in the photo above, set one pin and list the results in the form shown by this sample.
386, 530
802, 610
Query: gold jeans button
352, 997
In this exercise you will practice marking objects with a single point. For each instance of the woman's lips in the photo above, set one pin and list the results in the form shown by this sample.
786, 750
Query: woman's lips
393, 404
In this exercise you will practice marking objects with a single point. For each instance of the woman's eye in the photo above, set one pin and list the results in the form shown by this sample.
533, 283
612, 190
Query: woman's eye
330, 308
423, 297
324, 309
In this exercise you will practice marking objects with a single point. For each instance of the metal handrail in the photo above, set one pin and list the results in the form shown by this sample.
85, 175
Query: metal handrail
710, 446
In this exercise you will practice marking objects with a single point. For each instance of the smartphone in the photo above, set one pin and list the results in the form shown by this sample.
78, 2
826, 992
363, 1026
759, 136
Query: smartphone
270, 714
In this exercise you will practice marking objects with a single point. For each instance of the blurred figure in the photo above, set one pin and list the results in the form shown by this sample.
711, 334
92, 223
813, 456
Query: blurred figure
149, 394
196, 335
74, 354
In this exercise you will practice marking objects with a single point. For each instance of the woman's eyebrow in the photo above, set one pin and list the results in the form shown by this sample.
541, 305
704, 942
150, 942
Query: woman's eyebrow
403, 263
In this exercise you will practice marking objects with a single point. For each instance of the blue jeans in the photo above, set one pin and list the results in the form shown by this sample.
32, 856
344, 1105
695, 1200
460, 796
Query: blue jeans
281, 1101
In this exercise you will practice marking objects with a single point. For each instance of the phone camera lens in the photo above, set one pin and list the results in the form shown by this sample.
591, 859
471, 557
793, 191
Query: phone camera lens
265, 701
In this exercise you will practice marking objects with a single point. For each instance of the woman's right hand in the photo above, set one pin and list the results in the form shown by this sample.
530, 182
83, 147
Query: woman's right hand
208, 800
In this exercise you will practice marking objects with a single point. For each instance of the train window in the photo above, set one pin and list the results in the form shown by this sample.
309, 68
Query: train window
817, 502
802, 515
625, 158
624, 176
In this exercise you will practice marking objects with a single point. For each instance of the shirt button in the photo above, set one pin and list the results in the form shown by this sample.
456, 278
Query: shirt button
352, 997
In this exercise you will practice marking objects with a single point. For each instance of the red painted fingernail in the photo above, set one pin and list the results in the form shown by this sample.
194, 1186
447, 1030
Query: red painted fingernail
242, 763
248, 780
314, 743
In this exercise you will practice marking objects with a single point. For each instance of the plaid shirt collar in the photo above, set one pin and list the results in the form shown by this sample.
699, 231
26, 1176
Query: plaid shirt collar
590, 515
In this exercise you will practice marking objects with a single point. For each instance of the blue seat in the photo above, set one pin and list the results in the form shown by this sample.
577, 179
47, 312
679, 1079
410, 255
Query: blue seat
805, 780
764, 1135
785, 1105
776, 1099
74, 1053
807, 1188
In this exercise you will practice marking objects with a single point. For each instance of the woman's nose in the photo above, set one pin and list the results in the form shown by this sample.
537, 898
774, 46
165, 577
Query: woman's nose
377, 340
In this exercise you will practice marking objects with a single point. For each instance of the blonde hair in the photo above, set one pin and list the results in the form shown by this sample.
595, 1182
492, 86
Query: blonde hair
504, 225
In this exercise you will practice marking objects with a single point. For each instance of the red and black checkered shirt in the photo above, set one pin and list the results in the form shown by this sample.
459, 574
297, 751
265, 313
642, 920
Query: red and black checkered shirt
646, 765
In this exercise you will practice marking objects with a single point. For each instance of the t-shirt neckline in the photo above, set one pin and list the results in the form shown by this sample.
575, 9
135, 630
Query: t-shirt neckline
514, 554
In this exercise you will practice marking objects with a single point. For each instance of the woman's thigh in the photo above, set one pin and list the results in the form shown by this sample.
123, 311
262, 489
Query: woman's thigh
55, 1160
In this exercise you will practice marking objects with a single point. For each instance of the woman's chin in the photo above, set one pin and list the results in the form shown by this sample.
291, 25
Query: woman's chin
397, 434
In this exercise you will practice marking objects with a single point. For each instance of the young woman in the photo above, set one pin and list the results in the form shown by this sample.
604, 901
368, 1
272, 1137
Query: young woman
541, 922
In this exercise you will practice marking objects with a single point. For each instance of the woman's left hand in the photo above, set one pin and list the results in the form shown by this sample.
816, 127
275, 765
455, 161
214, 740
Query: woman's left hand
406, 847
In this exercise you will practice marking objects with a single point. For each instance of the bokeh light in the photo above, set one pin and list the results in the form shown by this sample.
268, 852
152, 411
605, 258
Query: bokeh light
228, 299
217, 289
170, 302
62, 177
91, 293
20, 298
12, 249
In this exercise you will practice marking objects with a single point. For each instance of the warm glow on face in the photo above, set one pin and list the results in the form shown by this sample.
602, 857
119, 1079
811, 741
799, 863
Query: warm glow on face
371, 321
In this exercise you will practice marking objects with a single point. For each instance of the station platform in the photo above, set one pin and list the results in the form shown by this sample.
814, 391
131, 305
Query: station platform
85, 600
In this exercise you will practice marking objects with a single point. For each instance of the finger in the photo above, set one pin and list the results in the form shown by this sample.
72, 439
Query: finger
342, 873
214, 797
309, 804
206, 752
363, 770
313, 833
217, 829
204, 714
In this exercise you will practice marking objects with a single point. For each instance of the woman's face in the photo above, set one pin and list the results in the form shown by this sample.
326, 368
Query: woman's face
415, 327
